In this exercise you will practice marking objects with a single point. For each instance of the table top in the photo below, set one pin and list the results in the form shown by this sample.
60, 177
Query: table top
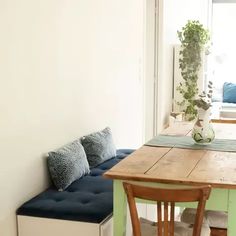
181, 166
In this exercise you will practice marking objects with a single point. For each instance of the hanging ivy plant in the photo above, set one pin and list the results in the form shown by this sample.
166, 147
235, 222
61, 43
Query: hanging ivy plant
193, 38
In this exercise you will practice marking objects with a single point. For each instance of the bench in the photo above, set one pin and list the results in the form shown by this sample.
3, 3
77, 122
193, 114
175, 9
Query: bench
84, 208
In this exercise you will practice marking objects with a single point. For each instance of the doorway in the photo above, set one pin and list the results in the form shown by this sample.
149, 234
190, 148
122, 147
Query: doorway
151, 40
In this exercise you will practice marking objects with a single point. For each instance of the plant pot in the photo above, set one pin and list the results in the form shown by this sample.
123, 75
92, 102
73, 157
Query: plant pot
203, 132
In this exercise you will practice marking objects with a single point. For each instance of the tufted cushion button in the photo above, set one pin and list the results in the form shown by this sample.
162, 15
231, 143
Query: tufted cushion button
58, 200
85, 202
97, 192
94, 175
104, 168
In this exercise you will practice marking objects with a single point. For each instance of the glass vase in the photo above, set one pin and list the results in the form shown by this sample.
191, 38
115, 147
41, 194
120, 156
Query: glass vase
203, 132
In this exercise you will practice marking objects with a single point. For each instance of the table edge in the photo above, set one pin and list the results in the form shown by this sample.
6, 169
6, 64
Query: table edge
143, 178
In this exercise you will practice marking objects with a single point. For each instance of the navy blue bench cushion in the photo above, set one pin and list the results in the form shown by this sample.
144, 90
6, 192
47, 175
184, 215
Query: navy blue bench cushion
89, 199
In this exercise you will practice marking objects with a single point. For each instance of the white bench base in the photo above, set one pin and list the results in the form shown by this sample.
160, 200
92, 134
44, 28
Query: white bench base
36, 226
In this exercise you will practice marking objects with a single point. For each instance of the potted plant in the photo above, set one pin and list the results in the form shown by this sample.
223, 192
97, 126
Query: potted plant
193, 38
203, 132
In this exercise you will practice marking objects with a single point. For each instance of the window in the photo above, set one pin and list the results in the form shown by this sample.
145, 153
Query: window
224, 44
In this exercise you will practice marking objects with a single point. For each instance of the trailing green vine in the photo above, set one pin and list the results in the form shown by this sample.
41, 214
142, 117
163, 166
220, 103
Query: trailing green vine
193, 38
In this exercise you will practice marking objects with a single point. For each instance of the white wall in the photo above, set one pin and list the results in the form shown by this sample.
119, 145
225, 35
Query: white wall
67, 68
174, 15
149, 68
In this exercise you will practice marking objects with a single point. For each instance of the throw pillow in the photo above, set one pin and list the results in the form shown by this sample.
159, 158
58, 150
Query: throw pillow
67, 164
229, 92
99, 147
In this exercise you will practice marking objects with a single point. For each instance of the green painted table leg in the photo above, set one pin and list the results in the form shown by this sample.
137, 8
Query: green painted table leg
232, 213
119, 209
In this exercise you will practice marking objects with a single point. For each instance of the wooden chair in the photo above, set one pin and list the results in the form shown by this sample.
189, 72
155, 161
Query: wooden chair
167, 197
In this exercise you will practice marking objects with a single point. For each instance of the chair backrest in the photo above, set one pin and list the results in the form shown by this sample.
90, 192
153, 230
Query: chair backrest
166, 197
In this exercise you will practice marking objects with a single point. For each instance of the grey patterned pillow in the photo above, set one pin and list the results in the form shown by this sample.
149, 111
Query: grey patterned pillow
67, 164
99, 147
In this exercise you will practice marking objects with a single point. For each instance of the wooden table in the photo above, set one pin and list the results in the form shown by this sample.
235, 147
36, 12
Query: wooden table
175, 167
